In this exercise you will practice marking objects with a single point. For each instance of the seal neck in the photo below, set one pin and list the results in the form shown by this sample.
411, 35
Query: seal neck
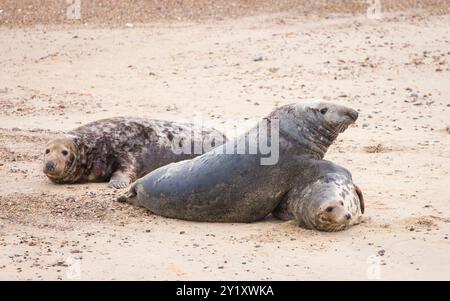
77, 167
311, 136
302, 212
322, 135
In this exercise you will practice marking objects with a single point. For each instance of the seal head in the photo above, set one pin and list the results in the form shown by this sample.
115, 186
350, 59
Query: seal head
332, 203
313, 126
60, 159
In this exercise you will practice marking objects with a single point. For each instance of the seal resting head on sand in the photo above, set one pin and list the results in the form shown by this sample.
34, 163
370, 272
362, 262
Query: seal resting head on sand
327, 200
121, 149
59, 159
225, 185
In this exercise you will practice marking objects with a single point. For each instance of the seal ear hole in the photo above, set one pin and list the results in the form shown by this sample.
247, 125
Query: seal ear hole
342, 203
65, 153
47, 151
323, 111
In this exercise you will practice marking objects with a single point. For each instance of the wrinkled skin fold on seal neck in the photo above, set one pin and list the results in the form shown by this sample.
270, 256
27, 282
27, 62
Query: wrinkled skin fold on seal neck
304, 128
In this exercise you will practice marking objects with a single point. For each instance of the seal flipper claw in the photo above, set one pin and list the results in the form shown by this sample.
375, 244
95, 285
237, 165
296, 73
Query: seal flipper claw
119, 180
128, 196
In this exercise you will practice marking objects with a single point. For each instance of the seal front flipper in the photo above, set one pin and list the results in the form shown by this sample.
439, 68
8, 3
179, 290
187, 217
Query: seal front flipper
282, 210
129, 197
120, 179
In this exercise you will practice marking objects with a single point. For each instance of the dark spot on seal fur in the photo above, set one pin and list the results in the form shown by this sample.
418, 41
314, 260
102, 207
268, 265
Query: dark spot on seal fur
170, 136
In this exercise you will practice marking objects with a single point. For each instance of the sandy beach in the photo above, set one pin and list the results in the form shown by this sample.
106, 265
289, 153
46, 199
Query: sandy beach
394, 71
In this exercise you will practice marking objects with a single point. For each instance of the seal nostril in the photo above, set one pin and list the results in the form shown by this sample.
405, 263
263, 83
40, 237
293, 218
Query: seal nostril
50, 165
348, 216
353, 115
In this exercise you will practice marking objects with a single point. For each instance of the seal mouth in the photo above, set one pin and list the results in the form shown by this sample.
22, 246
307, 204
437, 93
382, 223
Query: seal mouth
49, 171
57, 174
52, 174
342, 127
328, 225
349, 119
332, 227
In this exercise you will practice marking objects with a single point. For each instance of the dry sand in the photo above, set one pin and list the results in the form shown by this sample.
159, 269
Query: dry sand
395, 71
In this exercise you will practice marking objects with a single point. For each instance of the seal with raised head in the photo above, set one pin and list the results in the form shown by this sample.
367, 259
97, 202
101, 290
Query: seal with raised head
324, 198
122, 149
224, 186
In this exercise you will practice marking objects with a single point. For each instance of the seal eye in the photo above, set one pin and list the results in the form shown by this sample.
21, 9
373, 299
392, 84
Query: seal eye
47, 151
329, 209
64, 152
323, 111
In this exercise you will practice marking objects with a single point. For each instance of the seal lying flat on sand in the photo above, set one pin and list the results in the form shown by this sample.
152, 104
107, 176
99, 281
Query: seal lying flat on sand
325, 198
222, 187
121, 149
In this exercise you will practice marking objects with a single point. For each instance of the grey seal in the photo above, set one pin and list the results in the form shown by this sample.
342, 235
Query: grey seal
121, 149
220, 186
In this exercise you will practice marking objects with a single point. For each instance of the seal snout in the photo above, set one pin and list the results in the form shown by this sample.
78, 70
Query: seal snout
353, 115
49, 166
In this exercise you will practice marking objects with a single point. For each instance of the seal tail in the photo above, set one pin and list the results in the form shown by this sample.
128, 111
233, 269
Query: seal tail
129, 196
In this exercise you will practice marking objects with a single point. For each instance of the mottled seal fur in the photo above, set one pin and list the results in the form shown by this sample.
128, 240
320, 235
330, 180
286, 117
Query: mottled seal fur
222, 187
121, 149
324, 198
